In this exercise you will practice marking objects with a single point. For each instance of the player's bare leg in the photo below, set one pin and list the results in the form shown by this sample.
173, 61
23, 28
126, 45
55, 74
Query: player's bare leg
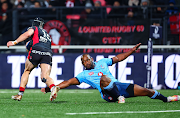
24, 79
140, 91
110, 88
45, 72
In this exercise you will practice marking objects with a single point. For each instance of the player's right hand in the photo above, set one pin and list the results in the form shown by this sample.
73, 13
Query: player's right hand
9, 43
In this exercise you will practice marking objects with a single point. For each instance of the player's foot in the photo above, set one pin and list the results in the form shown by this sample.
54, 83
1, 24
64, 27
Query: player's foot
121, 99
17, 97
173, 98
54, 92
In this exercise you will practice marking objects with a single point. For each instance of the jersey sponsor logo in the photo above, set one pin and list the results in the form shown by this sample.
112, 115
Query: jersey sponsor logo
100, 74
91, 73
41, 53
102, 66
58, 32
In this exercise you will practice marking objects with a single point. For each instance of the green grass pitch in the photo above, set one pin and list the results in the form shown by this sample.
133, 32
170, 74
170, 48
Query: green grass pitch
84, 104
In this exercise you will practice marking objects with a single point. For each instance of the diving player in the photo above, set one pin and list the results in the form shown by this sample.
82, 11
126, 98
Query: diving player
99, 77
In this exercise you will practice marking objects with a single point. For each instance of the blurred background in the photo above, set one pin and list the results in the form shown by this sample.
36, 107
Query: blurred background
84, 26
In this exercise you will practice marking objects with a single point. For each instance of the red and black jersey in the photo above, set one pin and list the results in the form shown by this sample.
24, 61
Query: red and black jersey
40, 38
40, 51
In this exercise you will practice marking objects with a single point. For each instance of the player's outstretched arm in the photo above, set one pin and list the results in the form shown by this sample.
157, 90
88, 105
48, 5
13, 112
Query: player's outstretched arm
65, 84
62, 85
122, 56
21, 38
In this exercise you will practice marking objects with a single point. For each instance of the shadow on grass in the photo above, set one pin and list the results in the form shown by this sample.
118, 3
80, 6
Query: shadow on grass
5, 98
57, 102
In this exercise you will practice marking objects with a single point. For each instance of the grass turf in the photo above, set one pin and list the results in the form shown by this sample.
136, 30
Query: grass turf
35, 104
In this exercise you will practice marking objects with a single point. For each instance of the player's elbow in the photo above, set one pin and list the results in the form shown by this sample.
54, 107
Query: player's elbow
121, 59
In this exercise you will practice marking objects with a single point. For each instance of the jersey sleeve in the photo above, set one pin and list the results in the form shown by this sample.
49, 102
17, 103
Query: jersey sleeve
80, 77
108, 61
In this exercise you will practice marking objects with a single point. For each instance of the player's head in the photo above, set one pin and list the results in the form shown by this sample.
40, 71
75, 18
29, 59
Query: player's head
38, 22
87, 61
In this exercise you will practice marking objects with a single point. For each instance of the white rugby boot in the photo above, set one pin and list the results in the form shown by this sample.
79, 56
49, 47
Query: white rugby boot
121, 99
54, 92
173, 98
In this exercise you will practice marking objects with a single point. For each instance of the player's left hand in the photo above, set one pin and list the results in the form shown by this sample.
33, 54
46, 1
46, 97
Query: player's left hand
136, 47
43, 90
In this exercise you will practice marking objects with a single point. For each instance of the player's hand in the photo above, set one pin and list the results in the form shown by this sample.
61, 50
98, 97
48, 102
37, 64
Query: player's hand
11, 43
136, 47
43, 90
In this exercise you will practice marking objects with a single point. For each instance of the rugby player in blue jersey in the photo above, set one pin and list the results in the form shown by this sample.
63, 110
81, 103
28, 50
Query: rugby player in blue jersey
99, 77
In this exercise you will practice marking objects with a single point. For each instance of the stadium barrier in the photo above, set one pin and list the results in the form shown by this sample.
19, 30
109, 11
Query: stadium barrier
61, 47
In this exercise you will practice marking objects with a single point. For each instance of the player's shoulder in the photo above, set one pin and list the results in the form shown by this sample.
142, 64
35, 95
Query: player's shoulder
104, 59
43, 30
32, 27
107, 61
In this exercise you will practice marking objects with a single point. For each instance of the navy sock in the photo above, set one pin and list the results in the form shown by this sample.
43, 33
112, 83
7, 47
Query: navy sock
159, 96
112, 90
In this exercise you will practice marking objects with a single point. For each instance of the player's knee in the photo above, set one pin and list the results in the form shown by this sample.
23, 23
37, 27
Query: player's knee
141, 91
44, 80
147, 92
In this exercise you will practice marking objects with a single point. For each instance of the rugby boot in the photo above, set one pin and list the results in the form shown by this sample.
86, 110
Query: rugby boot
121, 99
173, 98
17, 97
54, 92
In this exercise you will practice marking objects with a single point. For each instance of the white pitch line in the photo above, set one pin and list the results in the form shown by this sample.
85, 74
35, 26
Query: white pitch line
120, 112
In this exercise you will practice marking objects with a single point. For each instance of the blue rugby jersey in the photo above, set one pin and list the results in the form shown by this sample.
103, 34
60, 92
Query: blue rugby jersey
92, 77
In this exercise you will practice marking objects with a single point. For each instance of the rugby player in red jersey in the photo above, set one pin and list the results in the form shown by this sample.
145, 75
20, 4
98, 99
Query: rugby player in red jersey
39, 53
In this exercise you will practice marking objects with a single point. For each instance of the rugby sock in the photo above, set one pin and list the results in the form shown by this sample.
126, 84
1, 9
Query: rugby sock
112, 90
51, 86
159, 96
21, 90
